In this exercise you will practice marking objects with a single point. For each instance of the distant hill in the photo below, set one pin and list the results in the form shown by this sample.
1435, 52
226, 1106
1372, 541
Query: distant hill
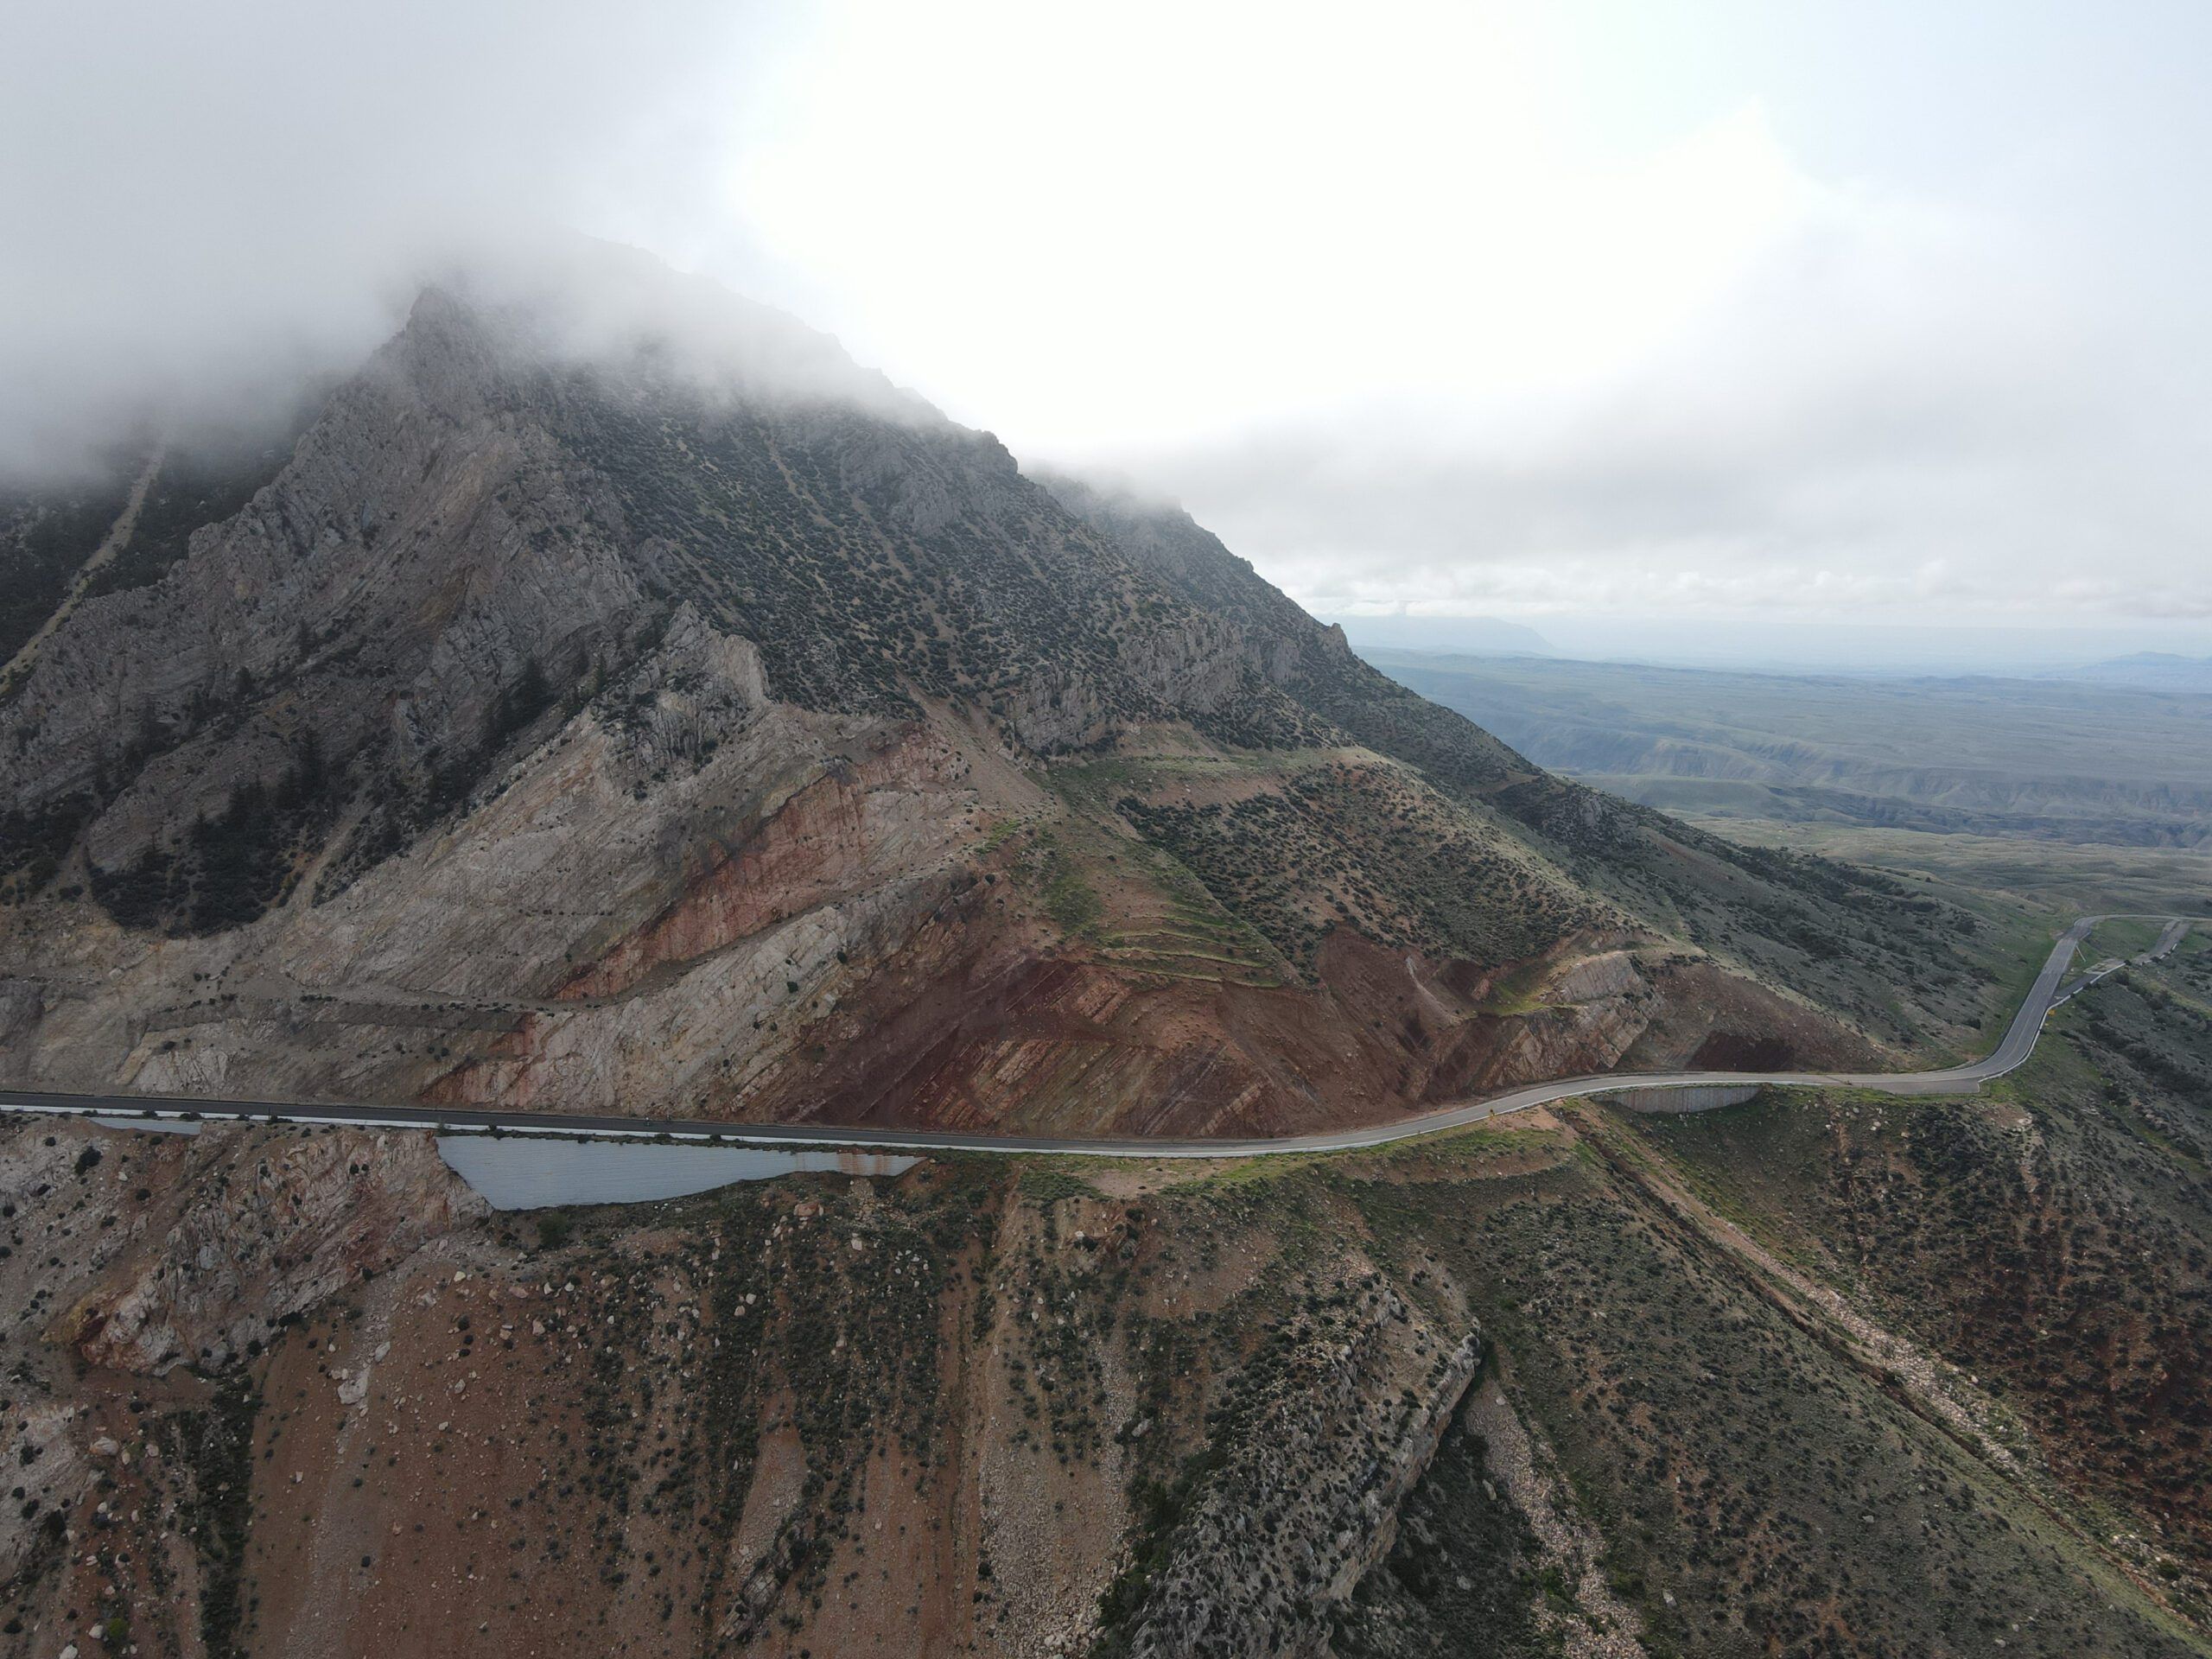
2152, 671
1480, 636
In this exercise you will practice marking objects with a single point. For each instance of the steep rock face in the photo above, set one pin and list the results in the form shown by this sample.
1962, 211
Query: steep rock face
381, 592
1295, 1521
654, 919
137, 1253
476, 525
293, 1220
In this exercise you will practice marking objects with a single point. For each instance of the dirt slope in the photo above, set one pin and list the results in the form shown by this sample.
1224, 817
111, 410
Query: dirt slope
1818, 1375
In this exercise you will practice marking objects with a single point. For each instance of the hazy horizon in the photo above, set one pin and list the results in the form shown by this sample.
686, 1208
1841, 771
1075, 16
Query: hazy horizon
1778, 647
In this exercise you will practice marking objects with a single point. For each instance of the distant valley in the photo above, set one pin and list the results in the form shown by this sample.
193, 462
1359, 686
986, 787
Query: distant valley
2048, 760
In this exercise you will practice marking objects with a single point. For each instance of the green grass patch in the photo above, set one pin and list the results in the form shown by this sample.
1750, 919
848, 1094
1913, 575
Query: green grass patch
1048, 1183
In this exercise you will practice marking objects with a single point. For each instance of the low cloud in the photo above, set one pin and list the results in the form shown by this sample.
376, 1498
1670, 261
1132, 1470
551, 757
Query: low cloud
1451, 307
207, 204
1886, 420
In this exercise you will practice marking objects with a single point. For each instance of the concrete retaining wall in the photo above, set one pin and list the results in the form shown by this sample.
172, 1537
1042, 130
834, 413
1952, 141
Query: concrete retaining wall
1701, 1099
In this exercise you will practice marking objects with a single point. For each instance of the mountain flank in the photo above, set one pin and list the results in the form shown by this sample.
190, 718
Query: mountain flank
1819, 1373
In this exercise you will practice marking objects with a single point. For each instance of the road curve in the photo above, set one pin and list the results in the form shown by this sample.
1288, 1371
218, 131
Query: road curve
2176, 926
2017, 1043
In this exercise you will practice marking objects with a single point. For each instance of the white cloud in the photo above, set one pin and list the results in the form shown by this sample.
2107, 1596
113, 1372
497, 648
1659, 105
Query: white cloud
1091, 227
1487, 304
1389, 307
203, 200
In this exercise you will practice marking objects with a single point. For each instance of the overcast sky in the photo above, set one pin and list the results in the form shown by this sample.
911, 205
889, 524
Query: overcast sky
1736, 309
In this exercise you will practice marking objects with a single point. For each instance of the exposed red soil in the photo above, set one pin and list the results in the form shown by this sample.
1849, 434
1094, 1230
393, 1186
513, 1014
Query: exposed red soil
989, 1032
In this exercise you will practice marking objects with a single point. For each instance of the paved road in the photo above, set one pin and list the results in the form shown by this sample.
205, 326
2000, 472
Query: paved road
2176, 926
2018, 1042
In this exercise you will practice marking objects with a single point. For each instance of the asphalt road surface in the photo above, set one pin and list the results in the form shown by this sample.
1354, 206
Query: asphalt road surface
2019, 1041
2176, 926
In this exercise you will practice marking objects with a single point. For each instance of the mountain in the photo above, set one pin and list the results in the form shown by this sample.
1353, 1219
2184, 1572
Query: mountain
612, 698
2152, 671
1481, 636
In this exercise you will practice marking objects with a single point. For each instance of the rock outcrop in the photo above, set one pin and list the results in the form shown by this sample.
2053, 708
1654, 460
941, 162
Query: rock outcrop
280, 1223
1307, 1504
